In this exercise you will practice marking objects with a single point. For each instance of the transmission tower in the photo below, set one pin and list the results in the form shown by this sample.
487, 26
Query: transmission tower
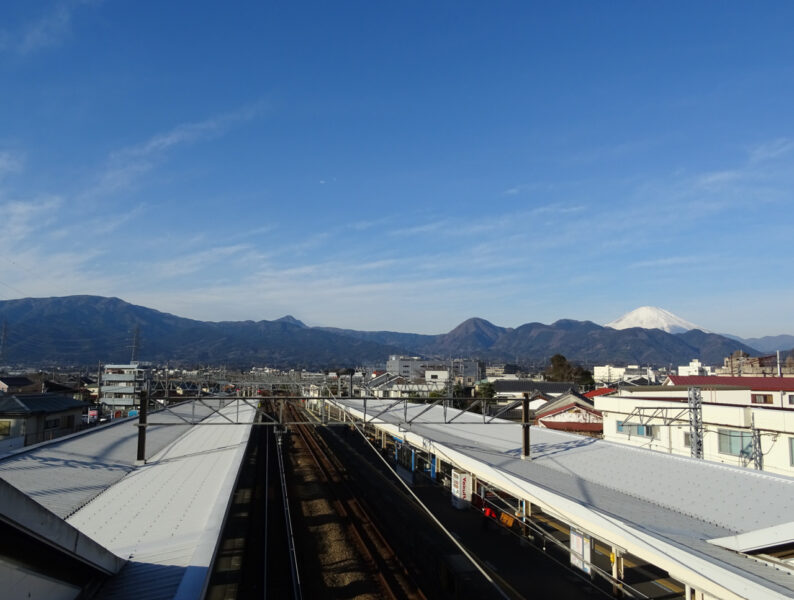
3, 336
135, 340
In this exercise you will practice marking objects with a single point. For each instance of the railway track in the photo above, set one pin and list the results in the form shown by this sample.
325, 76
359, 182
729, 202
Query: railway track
393, 579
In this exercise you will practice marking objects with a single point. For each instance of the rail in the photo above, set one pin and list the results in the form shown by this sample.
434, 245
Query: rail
392, 576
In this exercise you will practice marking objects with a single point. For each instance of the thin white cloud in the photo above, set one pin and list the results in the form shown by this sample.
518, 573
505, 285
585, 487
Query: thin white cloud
127, 165
669, 261
50, 29
771, 150
195, 262
10, 162
190, 132
21, 218
421, 229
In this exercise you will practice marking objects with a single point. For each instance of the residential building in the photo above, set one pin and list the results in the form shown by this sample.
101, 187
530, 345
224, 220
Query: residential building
27, 419
740, 364
607, 374
572, 412
124, 385
746, 421
516, 389
410, 367
636, 374
695, 367
436, 375
16, 385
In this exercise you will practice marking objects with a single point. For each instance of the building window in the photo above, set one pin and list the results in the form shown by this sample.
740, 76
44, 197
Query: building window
791, 451
640, 430
791, 399
761, 398
687, 439
735, 443
5, 428
52, 423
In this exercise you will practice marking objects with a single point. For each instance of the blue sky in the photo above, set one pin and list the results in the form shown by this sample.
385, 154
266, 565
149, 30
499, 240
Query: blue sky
402, 165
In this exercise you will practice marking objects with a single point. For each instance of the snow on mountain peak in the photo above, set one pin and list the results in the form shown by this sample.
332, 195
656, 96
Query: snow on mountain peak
652, 317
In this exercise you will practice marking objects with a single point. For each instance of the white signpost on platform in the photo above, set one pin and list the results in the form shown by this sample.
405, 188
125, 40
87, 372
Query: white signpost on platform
580, 551
461, 489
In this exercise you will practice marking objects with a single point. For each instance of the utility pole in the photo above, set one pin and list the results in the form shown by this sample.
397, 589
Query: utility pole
99, 383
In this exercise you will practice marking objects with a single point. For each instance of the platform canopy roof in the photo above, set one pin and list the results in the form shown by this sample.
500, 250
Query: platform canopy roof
664, 508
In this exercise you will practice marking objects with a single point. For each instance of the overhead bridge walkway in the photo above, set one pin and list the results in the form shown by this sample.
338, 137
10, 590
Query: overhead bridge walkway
692, 528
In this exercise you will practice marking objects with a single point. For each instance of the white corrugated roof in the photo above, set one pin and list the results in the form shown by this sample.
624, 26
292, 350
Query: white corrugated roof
64, 474
166, 516
659, 506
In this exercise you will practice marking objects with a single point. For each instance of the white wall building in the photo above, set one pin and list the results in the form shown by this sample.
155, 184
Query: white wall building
695, 367
122, 385
657, 418
432, 376
465, 371
608, 373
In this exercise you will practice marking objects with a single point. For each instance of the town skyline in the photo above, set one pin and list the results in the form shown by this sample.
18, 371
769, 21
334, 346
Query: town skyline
404, 167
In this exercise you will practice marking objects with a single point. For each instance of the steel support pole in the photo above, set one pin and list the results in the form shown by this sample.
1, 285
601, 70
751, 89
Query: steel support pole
525, 450
142, 417
695, 402
617, 571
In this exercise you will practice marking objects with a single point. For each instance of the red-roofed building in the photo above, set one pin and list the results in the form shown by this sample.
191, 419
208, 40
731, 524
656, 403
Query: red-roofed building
761, 384
571, 412
600, 392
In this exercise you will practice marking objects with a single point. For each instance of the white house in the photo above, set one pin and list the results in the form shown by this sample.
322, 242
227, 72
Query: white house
736, 412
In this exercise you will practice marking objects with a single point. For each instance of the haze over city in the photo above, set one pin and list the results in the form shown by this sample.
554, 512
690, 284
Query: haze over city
402, 166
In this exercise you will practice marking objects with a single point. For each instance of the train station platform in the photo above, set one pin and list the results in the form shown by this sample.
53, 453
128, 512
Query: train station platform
714, 529
145, 530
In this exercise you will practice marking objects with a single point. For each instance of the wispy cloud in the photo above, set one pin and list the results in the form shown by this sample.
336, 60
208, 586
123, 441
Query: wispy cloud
10, 162
669, 261
127, 165
21, 218
194, 262
421, 229
50, 29
770, 150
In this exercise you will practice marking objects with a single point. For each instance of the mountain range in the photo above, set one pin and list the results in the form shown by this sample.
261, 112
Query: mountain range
82, 330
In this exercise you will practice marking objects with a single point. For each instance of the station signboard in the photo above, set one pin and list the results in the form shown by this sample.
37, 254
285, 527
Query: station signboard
461, 489
580, 550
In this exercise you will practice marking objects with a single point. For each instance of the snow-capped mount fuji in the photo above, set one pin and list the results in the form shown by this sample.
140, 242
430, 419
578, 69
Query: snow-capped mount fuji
652, 317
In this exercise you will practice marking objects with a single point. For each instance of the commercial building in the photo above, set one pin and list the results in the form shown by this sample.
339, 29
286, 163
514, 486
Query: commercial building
465, 371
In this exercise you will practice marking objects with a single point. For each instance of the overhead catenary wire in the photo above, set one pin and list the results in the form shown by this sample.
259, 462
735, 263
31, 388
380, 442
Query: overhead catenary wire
448, 533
